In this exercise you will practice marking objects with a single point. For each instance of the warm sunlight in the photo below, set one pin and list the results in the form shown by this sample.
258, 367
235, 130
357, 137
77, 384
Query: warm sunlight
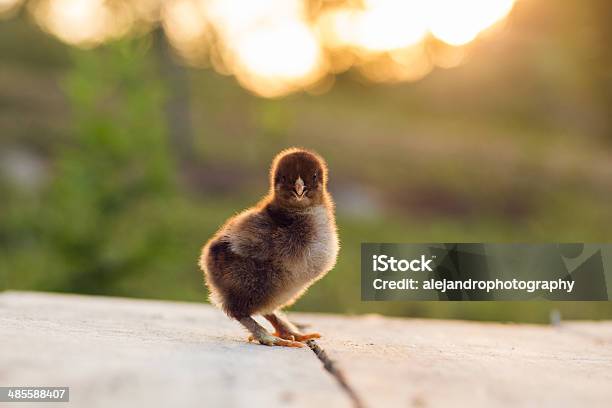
275, 47
386, 25
281, 57
267, 44
459, 22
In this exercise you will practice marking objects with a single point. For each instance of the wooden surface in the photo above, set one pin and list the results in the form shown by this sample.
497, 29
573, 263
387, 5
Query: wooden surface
137, 353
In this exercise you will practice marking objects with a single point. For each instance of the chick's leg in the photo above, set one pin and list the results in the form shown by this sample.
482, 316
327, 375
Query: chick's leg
263, 337
286, 330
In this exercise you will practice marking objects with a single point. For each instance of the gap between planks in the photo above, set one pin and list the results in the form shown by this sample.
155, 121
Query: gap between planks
331, 367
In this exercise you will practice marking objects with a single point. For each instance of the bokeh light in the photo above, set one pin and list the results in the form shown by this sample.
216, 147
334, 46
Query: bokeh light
273, 61
82, 22
382, 25
187, 28
268, 44
459, 22
275, 47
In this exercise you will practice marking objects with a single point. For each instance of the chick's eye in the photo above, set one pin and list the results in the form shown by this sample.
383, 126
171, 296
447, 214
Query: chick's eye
314, 178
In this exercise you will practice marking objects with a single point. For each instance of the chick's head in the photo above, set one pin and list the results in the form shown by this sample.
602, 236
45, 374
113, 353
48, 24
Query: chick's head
298, 178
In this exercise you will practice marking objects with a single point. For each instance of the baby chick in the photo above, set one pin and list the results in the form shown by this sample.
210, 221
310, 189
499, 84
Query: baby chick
265, 258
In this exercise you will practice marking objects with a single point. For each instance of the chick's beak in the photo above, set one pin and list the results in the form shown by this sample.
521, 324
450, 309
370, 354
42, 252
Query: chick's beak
299, 186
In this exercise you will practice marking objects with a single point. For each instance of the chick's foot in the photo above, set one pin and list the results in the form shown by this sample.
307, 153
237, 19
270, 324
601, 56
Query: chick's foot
297, 336
273, 340
287, 330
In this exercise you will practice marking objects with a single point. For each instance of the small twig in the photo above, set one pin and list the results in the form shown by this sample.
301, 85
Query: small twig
331, 367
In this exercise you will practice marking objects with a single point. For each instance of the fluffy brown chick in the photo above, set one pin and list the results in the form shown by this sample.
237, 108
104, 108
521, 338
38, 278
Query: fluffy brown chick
265, 258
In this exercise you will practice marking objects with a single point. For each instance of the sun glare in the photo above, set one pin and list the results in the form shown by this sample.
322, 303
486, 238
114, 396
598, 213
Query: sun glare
275, 47
268, 44
287, 52
459, 22
387, 25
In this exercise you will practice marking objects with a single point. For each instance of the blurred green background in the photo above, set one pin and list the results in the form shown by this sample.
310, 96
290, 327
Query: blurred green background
118, 162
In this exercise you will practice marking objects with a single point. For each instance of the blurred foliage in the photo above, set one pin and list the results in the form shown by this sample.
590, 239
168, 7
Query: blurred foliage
108, 215
502, 149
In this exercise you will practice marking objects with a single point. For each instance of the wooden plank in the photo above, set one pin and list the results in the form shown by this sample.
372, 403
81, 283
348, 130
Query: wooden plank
121, 352
116, 352
433, 363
